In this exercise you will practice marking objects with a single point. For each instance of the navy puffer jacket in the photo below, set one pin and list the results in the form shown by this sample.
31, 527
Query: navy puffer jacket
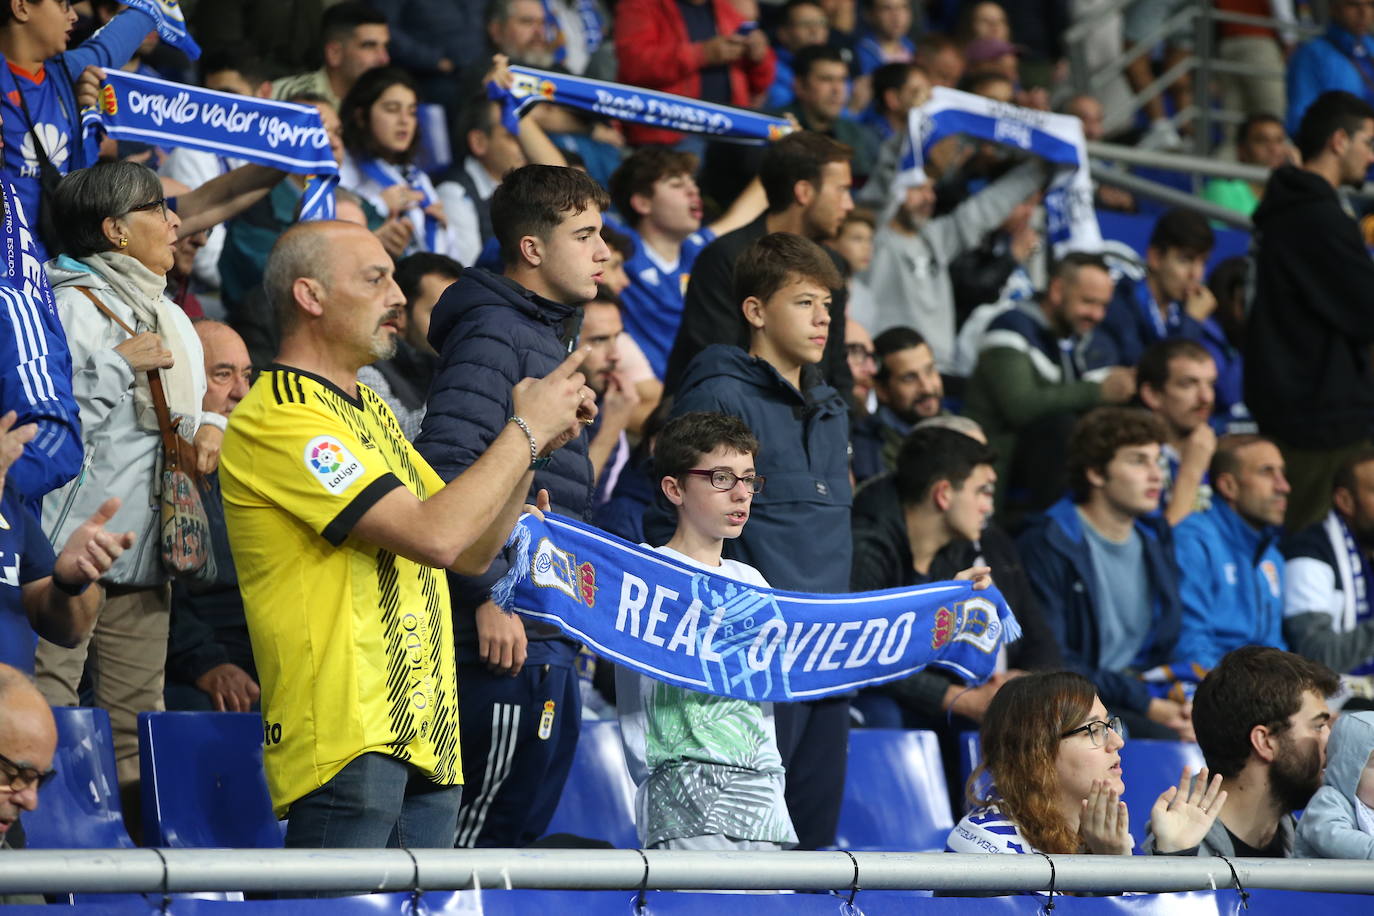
490, 333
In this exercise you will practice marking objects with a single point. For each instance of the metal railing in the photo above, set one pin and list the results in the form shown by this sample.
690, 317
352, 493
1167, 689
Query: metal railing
355, 870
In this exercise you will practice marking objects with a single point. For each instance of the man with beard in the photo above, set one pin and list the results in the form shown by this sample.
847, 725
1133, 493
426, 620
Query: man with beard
1040, 365
1177, 379
909, 390
602, 336
1262, 722
909, 277
1230, 567
1309, 331
355, 40
1330, 576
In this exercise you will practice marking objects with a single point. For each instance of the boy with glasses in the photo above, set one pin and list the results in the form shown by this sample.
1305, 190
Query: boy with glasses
798, 538
707, 767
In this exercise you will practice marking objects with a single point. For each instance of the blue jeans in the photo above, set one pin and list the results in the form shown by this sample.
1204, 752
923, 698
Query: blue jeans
375, 801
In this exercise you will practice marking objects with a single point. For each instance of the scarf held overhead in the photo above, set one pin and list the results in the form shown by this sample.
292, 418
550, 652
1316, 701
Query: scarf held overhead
1058, 139
171, 24
708, 633
282, 135
634, 104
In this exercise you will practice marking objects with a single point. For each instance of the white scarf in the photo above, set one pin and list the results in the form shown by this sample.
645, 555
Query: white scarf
143, 291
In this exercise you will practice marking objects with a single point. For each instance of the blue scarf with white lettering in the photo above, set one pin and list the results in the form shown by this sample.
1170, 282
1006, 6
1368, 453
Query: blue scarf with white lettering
634, 104
1058, 139
171, 24
283, 135
388, 174
705, 632
22, 265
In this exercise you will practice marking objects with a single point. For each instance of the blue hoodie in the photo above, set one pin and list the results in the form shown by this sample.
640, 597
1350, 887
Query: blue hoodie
1231, 582
797, 535
490, 332
1060, 566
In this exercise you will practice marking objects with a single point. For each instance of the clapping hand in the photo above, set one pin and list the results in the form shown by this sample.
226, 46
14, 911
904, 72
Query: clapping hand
1184, 813
1104, 824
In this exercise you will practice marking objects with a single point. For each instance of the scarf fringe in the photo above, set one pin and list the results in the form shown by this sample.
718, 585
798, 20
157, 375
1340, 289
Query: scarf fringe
518, 551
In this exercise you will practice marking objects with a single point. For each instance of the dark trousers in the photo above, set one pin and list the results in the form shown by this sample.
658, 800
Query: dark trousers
1310, 473
813, 739
515, 757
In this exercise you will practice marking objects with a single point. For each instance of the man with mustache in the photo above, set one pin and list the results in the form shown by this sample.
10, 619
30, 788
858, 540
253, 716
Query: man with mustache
1330, 576
909, 390
1230, 568
1177, 379
1262, 722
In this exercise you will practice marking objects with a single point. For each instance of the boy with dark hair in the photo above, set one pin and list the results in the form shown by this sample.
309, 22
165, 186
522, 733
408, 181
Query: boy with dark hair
1172, 300
806, 178
1309, 329
490, 329
1262, 723
821, 84
707, 767
798, 538
1102, 565
657, 198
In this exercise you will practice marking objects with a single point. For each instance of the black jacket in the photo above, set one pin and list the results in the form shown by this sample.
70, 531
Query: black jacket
490, 333
882, 559
1307, 373
710, 314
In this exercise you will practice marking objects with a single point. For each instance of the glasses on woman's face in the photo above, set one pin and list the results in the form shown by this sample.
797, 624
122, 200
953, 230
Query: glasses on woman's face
722, 479
159, 205
1097, 730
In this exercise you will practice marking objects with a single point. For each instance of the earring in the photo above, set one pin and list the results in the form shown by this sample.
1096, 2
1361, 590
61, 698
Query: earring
123, 241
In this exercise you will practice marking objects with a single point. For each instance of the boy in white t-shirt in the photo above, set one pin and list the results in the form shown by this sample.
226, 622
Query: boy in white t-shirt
707, 767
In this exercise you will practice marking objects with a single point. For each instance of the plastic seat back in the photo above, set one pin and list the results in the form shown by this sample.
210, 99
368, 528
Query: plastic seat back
203, 782
79, 808
599, 797
1148, 767
895, 797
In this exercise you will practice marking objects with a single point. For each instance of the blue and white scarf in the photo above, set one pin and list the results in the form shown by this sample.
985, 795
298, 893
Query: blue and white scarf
634, 104
1058, 139
171, 24
711, 634
387, 175
279, 134
23, 267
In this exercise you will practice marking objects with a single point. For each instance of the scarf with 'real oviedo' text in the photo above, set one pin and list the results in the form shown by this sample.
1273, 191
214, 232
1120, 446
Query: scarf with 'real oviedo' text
704, 632
282, 135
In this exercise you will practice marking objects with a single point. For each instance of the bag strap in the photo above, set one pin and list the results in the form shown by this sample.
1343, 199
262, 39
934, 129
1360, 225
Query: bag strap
164, 416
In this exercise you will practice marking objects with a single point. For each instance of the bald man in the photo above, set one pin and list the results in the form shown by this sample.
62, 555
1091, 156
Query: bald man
342, 532
28, 740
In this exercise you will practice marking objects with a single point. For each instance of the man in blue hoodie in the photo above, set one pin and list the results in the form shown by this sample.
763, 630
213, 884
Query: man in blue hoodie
1102, 564
518, 701
798, 534
1230, 567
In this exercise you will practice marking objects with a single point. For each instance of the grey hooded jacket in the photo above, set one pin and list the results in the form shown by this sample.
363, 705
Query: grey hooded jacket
1330, 827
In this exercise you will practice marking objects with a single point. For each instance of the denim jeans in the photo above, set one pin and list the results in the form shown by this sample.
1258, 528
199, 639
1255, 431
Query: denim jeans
375, 801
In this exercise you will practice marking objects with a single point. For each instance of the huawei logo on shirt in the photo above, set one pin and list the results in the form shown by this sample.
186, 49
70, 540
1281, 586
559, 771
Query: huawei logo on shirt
54, 141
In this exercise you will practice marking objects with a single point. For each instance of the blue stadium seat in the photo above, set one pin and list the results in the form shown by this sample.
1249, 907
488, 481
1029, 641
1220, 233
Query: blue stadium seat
895, 797
79, 808
203, 783
599, 798
1148, 767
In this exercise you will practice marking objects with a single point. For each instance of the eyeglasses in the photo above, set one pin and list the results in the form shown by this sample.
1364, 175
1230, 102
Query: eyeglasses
860, 352
1097, 730
725, 480
20, 778
159, 204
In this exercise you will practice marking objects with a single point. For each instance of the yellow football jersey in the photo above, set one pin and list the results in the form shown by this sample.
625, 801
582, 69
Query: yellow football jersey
354, 644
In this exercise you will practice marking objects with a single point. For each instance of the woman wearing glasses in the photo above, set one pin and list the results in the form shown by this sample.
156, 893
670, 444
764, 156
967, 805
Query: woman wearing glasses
117, 238
1053, 762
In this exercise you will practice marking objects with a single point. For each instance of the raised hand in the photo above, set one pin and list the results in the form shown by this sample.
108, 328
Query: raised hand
91, 550
554, 405
1182, 815
1104, 825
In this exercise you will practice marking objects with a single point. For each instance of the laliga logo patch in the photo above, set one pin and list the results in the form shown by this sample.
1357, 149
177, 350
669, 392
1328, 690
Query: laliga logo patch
109, 102
1271, 575
556, 568
331, 464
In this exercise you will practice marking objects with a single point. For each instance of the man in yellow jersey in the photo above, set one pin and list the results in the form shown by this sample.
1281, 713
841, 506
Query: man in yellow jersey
341, 532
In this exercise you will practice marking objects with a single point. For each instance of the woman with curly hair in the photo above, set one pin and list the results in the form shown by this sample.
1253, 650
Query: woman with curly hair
1053, 762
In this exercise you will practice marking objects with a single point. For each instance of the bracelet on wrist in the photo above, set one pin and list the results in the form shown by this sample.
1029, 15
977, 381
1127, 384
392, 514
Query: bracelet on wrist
536, 463
67, 588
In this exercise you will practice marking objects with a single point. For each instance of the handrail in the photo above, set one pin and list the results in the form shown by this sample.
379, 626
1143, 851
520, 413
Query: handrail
1167, 195
356, 870
1177, 162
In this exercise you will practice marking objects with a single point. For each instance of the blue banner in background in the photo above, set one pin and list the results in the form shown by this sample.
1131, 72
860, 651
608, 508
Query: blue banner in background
634, 104
705, 632
171, 24
282, 135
